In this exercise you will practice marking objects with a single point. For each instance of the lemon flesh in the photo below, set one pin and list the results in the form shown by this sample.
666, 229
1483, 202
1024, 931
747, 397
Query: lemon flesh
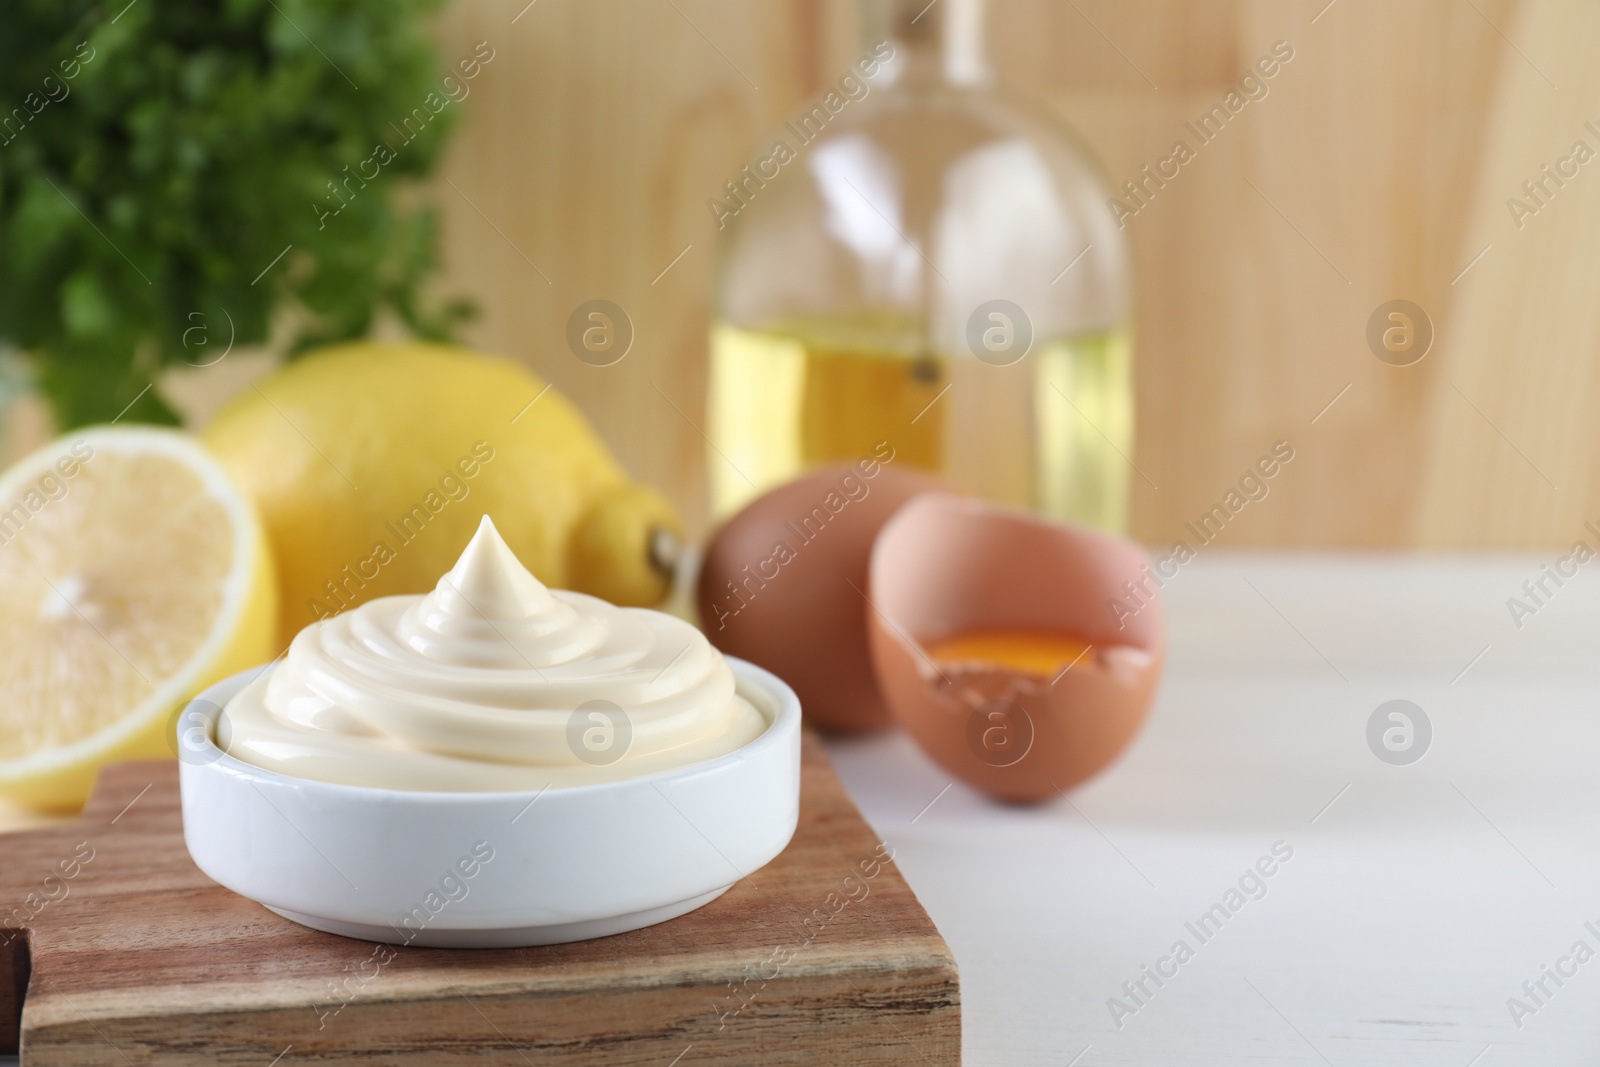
132, 575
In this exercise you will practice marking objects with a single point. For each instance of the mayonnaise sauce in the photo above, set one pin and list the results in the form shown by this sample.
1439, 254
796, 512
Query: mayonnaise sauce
490, 683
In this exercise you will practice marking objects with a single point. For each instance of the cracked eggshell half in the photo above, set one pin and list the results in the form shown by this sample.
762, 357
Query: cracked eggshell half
945, 566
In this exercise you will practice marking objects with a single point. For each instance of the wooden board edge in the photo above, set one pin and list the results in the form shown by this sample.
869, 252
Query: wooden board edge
883, 1018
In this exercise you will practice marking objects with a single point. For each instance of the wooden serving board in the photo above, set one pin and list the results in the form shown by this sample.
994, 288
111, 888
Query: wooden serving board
129, 955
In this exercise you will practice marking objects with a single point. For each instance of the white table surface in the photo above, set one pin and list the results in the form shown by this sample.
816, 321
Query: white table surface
1413, 907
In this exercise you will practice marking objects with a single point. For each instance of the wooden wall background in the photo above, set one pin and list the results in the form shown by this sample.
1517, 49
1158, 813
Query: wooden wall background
1378, 167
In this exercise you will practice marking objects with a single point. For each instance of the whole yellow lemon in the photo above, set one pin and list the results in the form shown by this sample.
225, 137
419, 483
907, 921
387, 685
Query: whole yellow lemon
371, 464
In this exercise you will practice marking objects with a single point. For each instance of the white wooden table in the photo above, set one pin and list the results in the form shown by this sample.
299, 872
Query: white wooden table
1418, 899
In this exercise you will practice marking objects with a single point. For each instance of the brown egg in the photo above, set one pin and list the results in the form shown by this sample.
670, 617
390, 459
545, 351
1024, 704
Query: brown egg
784, 585
970, 600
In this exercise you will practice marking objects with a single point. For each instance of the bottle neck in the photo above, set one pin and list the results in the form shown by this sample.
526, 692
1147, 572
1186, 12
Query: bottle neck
934, 43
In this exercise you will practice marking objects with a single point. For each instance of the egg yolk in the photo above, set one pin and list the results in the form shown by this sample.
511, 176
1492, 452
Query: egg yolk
1036, 652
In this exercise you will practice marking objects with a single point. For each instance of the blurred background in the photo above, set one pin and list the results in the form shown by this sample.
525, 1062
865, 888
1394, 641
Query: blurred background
1378, 167
1349, 245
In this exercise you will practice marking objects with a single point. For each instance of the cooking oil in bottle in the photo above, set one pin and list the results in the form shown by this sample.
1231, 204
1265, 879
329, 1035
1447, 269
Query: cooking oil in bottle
1060, 424
864, 267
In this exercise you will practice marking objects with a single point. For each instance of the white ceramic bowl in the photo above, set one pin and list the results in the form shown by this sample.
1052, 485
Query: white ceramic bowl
502, 870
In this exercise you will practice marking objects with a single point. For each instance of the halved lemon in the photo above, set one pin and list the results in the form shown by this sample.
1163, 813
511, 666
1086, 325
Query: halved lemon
132, 575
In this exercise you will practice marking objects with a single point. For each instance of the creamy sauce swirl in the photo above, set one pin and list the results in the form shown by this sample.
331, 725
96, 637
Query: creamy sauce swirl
490, 683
